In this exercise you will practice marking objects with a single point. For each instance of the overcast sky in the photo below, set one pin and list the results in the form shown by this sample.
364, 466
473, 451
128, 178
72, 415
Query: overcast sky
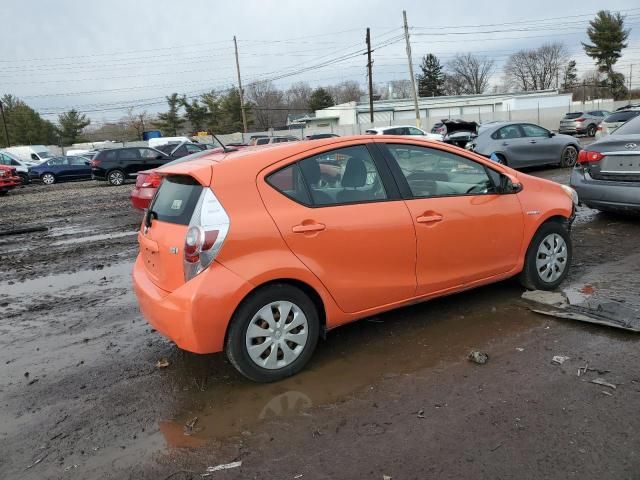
99, 56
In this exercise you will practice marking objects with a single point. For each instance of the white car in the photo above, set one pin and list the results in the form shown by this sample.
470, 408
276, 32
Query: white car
404, 130
21, 166
30, 153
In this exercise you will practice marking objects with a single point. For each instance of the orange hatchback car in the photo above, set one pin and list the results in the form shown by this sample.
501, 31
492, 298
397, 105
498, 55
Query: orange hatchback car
258, 252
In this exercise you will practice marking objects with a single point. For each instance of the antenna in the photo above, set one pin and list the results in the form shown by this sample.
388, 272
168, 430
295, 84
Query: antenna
225, 149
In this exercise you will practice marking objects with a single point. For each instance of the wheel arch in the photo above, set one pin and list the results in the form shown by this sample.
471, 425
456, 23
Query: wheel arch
311, 292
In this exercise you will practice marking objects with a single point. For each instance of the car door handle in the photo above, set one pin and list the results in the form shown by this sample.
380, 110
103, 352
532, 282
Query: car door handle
309, 227
434, 217
532, 141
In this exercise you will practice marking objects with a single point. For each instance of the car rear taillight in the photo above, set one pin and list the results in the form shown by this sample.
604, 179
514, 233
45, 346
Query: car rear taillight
95, 163
151, 180
599, 128
585, 156
206, 234
581, 119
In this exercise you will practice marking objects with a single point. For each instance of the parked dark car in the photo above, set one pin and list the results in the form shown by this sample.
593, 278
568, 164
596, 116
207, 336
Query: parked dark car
61, 169
459, 132
182, 149
607, 175
318, 136
116, 165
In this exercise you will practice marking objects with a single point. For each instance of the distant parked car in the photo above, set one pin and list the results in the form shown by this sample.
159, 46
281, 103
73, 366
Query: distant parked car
582, 122
615, 121
274, 139
525, 145
403, 130
181, 149
318, 136
30, 153
61, 169
607, 175
459, 132
439, 127
118, 164
21, 166
9, 179
159, 141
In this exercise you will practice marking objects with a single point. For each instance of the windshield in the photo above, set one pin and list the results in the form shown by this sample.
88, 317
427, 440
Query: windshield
622, 116
45, 154
571, 116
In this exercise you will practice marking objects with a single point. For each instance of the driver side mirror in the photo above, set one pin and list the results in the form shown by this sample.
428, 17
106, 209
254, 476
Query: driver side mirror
509, 184
552, 134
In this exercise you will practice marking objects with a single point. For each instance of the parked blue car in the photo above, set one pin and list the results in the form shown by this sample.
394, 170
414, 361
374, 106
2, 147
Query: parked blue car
61, 169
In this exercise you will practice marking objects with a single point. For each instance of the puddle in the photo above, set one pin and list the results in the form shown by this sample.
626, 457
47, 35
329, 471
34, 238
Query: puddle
95, 238
353, 357
81, 280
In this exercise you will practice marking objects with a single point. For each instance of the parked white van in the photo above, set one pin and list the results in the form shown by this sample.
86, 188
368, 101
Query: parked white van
30, 153
156, 142
21, 166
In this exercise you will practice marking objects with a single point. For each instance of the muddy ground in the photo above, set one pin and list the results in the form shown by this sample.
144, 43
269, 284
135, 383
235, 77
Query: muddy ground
81, 396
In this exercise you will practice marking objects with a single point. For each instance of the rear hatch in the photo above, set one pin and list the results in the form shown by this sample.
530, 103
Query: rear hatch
164, 229
620, 158
570, 118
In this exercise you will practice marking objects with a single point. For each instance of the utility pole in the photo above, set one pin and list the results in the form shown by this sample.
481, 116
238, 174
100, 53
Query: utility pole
584, 92
4, 122
413, 78
244, 115
369, 65
630, 84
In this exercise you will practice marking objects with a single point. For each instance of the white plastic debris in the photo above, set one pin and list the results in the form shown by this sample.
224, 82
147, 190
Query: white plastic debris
478, 357
559, 359
603, 382
224, 466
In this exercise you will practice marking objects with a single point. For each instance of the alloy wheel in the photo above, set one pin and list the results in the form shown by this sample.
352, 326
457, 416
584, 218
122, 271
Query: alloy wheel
569, 156
551, 259
116, 178
277, 335
48, 179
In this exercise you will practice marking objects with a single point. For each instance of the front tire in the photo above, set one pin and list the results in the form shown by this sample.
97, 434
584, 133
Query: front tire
548, 258
569, 156
115, 177
273, 333
48, 179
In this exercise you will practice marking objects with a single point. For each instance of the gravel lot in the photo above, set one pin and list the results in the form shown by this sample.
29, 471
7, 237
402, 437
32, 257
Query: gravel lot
393, 395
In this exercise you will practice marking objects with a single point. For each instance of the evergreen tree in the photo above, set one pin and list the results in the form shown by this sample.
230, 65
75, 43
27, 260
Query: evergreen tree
319, 99
195, 113
431, 77
171, 121
71, 124
24, 124
570, 76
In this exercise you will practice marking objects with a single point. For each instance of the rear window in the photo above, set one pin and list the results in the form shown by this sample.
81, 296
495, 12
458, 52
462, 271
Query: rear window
632, 127
571, 116
176, 199
622, 116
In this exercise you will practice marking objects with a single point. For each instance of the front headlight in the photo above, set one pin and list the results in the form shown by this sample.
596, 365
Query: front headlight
571, 193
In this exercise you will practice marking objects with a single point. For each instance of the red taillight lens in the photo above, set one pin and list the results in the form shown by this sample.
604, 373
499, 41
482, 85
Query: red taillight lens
585, 156
581, 119
197, 241
151, 180
95, 163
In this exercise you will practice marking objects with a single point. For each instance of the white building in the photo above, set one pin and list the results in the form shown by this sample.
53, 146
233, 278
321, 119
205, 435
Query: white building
542, 107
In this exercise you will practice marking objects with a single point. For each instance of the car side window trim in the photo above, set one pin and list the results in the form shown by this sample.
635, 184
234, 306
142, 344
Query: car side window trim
403, 184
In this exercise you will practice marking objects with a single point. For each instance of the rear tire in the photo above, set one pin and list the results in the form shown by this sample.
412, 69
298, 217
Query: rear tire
116, 177
24, 177
271, 311
548, 258
591, 131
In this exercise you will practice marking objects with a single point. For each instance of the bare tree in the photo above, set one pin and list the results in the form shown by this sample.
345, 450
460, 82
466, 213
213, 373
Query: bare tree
454, 84
401, 89
137, 121
536, 69
473, 71
347, 91
267, 103
297, 97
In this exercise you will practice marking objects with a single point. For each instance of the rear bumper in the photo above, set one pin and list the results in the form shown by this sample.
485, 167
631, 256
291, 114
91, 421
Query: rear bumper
196, 315
621, 197
141, 197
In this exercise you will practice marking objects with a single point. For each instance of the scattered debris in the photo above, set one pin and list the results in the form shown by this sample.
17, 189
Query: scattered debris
496, 447
300, 475
478, 357
36, 462
189, 427
224, 466
421, 413
386, 477
544, 297
603, 382
583, 370
559, 359
162, 363
608, 394
66, 469
520, 349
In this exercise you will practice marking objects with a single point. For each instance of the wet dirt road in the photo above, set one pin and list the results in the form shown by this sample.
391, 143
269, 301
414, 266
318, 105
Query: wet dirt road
393, 395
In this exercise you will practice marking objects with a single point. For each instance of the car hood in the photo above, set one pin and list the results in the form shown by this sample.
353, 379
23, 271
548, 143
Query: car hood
460, 126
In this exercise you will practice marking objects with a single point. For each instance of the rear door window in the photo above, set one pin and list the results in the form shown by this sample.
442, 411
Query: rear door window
622, 116
508, 132
129, 154
176, 199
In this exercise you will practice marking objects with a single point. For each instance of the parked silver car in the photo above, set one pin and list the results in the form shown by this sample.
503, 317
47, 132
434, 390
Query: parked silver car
582, 122
614, 121
607, 175
525, 145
